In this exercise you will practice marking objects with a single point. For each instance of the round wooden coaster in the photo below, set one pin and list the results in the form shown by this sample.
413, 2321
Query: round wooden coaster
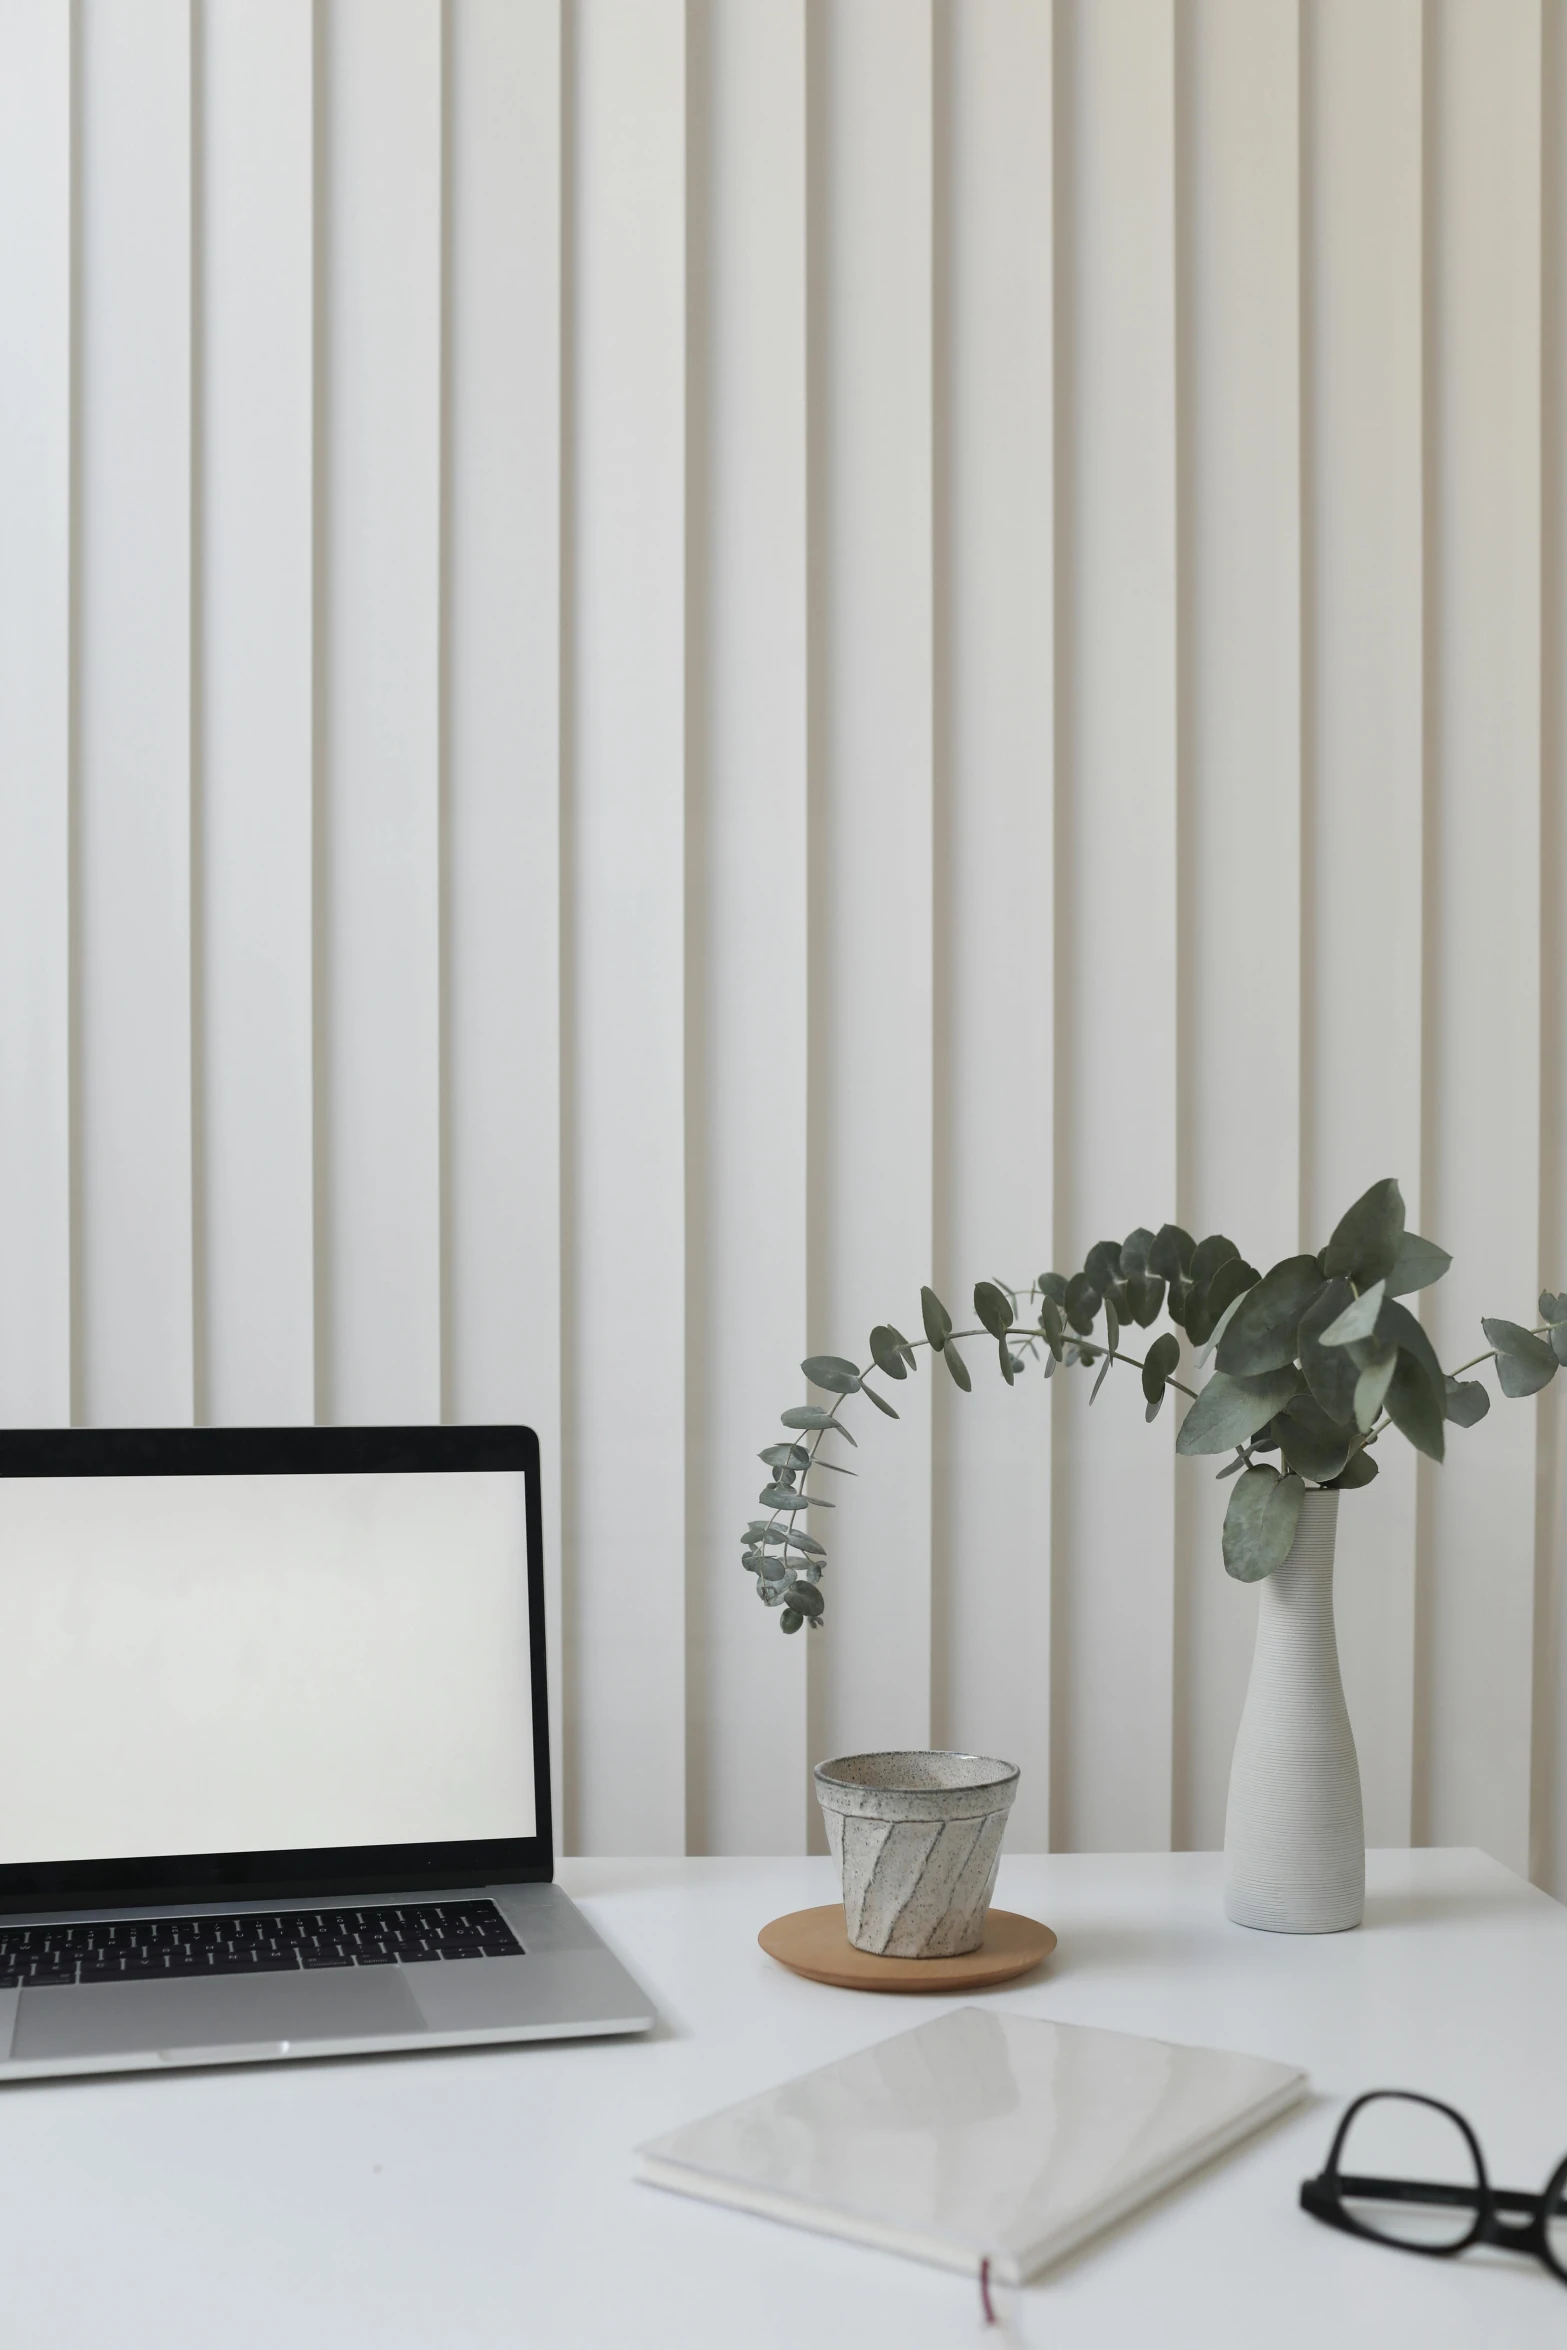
813, 1942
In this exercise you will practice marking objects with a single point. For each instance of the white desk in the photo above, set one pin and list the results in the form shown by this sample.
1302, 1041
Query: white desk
486, 2198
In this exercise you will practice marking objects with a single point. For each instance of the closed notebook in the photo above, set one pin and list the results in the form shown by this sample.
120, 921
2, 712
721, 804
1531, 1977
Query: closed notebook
980, 2135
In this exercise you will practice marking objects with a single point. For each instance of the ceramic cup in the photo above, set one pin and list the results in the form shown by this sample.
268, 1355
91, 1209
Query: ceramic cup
917, 1838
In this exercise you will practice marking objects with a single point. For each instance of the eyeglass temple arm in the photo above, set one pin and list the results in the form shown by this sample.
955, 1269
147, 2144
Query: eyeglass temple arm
1429, 2191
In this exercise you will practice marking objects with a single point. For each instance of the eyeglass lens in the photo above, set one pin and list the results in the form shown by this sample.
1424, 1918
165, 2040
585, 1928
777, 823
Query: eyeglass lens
1396, 2139
1556, 2224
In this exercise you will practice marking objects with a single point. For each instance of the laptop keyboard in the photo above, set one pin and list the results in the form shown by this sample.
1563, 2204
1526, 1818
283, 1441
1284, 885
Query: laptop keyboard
154, 1950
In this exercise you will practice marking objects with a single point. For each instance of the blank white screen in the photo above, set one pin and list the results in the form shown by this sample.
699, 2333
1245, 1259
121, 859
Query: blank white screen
262, 1663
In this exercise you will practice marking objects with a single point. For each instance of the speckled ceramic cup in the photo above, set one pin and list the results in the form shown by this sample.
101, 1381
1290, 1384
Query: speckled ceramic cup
917, 1838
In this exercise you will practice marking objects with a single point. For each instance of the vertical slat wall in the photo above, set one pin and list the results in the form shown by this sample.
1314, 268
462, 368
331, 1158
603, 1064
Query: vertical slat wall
669, 665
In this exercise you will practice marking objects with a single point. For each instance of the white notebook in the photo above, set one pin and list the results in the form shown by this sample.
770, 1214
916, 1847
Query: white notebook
982, 2134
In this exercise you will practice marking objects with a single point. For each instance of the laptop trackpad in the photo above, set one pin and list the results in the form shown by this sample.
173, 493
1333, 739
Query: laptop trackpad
108, 2019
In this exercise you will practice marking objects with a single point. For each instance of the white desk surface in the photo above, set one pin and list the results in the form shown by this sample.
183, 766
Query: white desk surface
486, 2197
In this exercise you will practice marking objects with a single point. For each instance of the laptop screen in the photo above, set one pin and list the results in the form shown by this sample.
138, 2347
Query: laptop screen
263, 1663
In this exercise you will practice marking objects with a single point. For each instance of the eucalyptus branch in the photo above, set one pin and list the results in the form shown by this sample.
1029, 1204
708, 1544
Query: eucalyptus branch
1314, 1360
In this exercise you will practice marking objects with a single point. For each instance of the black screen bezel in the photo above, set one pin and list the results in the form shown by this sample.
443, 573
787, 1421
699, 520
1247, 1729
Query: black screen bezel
157, 1878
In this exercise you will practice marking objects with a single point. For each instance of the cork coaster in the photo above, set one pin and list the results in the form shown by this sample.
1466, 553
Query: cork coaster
813, 1942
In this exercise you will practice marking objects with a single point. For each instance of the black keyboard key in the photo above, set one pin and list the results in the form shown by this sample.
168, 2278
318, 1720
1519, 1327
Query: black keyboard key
319, 1958
375, 1958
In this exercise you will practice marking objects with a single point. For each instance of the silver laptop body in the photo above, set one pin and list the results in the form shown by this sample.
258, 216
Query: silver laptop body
274, 1755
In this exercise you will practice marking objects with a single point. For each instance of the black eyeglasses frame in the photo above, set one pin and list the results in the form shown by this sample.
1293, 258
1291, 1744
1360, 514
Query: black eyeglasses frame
1323, 2196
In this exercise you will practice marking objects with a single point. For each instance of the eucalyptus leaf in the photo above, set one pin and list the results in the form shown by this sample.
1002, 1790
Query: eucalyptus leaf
1552, 1309
1050, 1364
1260, 1523
1514, 1343
938, 1322
1558, 1341
1171, 1254
785, 1456
1261, 1334
834, 1372
1466, 1402
1515, 1376
1134, 1252
1396, 1324
787, 1497
1416, 1408
880, 1401
1104, 1373
790, 1620
1053, 1286
993, 1307
1083, 1301
1177, 1299
1208, 1256
1158, 1363
1329, 1372
1008, 1366
1371, 1386
1051, 1324
887, 1353
1366, 1239
1358, 1321
1145, 1296
1217, 1332
1229, 1410
1312, 1443
805, 1598
1112, 1325
1417, 1264
811, 1415
1103, 1264
1230, 1468
1359, 1469
958, 1367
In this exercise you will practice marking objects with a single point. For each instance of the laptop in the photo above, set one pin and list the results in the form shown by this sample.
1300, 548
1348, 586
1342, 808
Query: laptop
274, 1754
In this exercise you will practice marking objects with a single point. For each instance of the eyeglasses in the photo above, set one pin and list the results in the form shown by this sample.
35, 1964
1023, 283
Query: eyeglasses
1408, 2171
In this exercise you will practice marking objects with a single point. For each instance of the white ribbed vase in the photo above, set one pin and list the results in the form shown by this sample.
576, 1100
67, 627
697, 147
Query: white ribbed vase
1294, 1834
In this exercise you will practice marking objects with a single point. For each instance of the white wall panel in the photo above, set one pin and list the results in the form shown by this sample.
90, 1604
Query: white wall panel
1239, 1108
666, 665
255, 711
995, 852
35, 712
500, 910
131, 944
1116, 889
624, 1245
1363, 750
746, 715
1482, 985
869, 961
378, 880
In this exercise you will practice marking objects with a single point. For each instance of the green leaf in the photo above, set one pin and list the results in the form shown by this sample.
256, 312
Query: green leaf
811, 1415
1207, 1305
1104, 1373
887, 1351
1415, 1408
1358, 1320
1053, 1286
1217, 1332
1330, 1374
1417, 1264
788, 1497
1515, 1376
993, 1307
1229, 1410
1558, 1341
1178, 1298
880, 1401
1359, 1469
1397, 1325
1261, 1334
938, 1322
1112, 1326
1008, 1366
1158, 1363
1207, 1257
1083, 1301
785, 1456
1134, 1252
804, 1598
1103, 1264
1466, 1402
1145, 1296
1260, 1523
1312, 1443
1230, 1468
958, 1367
1366, 1239
1371, 1386
1171, 1253
790, 1620
1513, 1343
1054, 1329
1552, 1309
834, 1372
